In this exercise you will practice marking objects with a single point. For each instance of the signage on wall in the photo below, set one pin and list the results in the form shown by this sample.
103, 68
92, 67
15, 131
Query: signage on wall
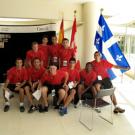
28, 29
4, 38
1, 44
6, 30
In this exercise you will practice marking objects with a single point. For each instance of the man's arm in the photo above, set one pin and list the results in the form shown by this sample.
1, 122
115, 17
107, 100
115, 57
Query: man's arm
23, 83
66, 78
6, 84
122, 68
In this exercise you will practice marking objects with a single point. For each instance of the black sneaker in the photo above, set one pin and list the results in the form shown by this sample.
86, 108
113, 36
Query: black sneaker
46, 108
118, 110
6, 108
31, 109
11, 96
75, 106
36, 107
57, 107
22, 109
98, 110
40, 108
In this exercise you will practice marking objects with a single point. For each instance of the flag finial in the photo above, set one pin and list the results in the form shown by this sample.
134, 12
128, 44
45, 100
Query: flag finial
75, 13
101, 10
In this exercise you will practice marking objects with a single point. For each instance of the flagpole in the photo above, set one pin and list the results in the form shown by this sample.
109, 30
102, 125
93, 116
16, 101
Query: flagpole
75, 13
62, 15
101, 10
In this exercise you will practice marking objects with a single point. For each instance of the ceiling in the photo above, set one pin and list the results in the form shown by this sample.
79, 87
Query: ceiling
118, 12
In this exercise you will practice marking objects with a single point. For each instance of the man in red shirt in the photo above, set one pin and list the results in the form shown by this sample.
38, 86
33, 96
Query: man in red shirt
65, 53
34, 75
31, 54
54, 51
88, 82
101, 66
73, 81
53, 80
44, 48
16, 80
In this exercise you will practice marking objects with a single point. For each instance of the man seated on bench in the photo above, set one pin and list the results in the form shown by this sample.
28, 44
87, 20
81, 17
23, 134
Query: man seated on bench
34, 75
88, 77
53, 80
73, 81
101, 66
16, 80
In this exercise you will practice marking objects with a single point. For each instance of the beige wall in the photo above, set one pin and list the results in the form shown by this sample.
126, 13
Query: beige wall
47, 9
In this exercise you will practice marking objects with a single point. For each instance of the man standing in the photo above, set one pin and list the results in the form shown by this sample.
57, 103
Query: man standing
54, 51
65, 53
44, 48
34, 53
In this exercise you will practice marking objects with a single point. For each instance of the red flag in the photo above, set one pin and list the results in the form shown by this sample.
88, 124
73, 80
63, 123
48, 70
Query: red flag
61, 32
74, 29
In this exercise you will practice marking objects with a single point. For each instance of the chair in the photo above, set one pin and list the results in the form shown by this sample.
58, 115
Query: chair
97, 102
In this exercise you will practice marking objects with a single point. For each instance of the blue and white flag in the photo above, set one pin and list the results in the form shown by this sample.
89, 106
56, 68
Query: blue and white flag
109, 48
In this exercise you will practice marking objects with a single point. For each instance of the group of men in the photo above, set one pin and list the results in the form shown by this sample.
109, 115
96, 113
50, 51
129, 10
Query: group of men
52, 68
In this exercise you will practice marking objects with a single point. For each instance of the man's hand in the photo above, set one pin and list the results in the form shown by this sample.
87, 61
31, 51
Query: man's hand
65, 86
75, 84
127, 68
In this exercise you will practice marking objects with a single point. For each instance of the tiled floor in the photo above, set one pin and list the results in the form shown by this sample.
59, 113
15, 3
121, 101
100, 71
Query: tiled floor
50, 123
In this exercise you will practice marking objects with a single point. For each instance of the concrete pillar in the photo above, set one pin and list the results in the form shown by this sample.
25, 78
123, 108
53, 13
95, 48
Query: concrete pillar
90, 13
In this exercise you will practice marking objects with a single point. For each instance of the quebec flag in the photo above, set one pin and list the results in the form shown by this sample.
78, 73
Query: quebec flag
109, 48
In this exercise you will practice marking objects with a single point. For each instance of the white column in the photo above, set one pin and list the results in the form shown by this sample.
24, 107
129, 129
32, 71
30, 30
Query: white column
90, 14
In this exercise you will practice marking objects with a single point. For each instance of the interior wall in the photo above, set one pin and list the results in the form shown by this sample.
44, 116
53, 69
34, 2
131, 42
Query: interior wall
45, 9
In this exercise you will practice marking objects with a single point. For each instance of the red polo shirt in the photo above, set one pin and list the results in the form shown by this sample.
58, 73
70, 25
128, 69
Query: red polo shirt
73, 74
101, 68
54, 52
44, 49
34, 74
15, 75
88, 78
56, 79
30, 55
65, 54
